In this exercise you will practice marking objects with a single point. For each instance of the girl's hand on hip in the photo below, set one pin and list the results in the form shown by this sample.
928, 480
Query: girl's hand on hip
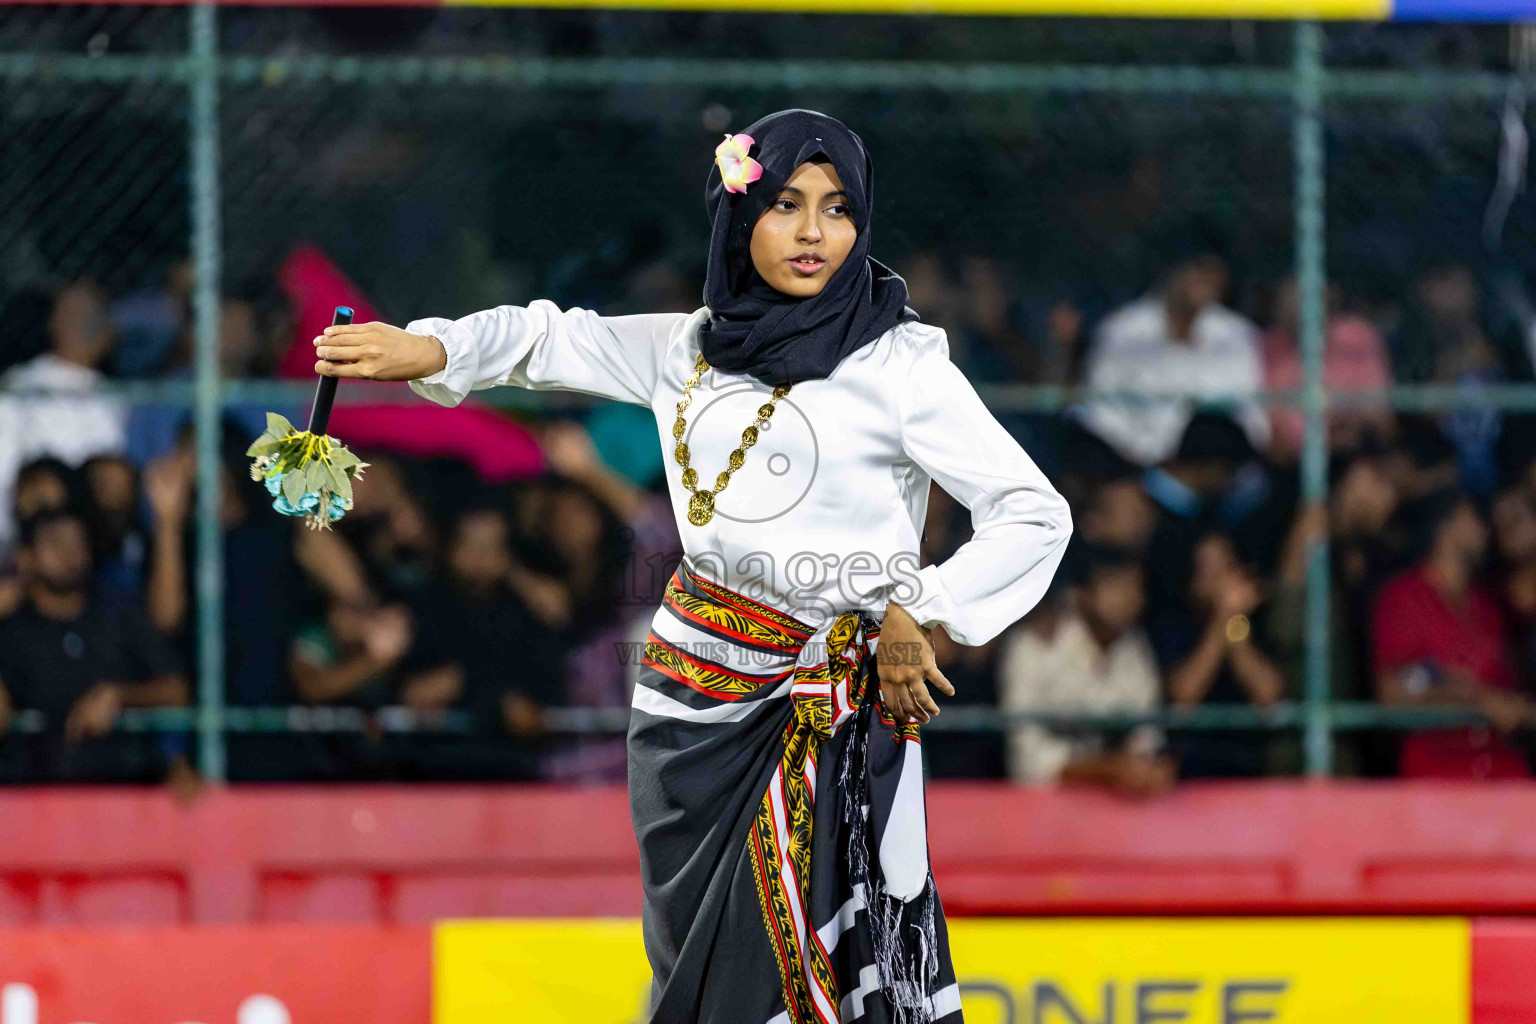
906, 665
376, 351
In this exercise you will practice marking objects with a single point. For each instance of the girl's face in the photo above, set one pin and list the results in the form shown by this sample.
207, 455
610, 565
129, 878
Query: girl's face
806, 233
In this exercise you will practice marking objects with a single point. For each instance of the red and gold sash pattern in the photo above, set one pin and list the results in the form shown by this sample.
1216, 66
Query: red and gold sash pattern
734, 618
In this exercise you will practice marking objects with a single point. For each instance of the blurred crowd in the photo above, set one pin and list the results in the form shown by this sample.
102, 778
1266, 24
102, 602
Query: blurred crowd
499, 569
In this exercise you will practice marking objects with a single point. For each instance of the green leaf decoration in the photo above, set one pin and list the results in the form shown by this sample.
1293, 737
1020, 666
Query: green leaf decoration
304, 470
334, 476
263, 445
314, 474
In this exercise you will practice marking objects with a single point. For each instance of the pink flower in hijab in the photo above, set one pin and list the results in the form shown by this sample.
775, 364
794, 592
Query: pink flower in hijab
737, 170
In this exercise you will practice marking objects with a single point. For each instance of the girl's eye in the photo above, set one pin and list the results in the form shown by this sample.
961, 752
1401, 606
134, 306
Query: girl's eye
838, 208
786, 204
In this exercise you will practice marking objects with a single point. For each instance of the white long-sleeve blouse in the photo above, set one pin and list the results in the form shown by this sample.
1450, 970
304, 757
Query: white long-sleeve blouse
827, 510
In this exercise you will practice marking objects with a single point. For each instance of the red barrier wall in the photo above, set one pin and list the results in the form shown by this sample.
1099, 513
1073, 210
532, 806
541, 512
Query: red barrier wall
410, 855
274, 975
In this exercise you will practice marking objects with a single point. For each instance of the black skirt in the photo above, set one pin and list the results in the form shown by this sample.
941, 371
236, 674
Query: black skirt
781, 822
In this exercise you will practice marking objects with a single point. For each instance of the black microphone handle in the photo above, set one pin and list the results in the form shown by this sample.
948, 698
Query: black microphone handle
325, 391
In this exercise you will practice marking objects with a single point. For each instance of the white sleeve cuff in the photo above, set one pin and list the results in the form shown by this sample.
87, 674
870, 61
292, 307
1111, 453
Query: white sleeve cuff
934, 605
437, 387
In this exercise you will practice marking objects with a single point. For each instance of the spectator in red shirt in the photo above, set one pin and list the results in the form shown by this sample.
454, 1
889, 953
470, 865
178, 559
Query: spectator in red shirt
1440, 639
1514, 531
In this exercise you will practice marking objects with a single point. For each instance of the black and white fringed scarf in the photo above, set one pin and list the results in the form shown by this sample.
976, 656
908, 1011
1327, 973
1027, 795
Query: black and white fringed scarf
781, 822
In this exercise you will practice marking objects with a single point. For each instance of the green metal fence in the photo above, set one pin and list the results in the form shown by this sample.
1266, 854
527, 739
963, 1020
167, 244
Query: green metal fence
208, 84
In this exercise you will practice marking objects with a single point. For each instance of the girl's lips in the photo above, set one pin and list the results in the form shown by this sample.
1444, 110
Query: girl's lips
807, 267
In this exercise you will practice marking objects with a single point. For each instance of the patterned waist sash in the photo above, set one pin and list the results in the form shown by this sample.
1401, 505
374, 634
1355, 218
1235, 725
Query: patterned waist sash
720, 656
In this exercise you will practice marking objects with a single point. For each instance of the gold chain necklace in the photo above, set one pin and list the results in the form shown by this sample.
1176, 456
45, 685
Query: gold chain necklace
701, 507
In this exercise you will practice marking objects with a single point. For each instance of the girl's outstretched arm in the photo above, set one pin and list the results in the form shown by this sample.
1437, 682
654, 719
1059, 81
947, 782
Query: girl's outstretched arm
538, 346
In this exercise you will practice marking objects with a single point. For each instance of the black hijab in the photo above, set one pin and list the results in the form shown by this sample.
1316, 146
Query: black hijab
752, 327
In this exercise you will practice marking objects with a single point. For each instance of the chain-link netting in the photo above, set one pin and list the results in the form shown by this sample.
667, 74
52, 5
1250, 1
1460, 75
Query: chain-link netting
93, 30
438, 193
1032, 176
1418, 212
93, 183
435, 197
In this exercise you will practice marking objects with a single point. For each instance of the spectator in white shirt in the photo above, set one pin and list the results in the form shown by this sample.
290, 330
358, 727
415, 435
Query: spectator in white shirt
1084, 652
1178, 337
48, 405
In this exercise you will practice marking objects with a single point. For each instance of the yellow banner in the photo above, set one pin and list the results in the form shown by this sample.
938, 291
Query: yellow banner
1068, 971
1214, 971
1369, 10
539, 972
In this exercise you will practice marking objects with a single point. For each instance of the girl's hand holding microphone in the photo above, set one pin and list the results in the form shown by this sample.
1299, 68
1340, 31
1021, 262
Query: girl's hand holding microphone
376, 351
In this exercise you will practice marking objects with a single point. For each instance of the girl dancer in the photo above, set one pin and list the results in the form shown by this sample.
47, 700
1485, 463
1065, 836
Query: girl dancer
777, 803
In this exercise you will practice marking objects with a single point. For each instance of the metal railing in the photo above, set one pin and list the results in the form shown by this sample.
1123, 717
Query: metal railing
584, 721
1307, 86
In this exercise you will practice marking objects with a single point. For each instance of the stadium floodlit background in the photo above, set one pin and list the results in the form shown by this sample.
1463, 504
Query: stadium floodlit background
1284, 681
